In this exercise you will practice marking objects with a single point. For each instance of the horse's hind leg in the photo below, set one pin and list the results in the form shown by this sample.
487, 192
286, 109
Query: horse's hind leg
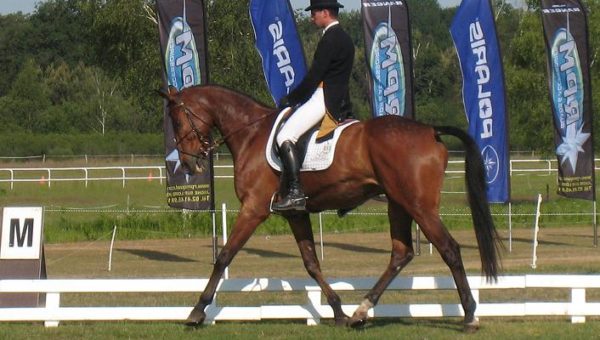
302, 230
402, 254
449, 249
246, 223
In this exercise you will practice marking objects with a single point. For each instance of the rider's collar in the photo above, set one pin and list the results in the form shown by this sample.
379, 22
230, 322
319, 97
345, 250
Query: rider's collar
332, 24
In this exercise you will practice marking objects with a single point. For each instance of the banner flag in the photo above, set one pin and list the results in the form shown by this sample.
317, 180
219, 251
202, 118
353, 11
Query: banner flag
566, 38
184, 55
474, 33
278, 44
388, 50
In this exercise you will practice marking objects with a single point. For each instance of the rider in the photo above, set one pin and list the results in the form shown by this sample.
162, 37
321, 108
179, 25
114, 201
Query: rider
324, 90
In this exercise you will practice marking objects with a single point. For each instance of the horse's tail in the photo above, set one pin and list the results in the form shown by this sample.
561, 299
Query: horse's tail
485, 231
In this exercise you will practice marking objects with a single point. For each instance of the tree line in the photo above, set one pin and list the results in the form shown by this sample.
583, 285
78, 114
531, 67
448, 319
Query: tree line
76, 67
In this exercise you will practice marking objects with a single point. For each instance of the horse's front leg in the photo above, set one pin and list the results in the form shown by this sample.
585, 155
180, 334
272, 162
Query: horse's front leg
244, 227
302, 230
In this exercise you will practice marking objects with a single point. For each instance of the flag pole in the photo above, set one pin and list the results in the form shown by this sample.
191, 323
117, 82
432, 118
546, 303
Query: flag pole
595, 227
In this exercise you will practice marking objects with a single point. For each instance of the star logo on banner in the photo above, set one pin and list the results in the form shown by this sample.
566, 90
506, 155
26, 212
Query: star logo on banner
572, 145
491, 162
484, 108
174, 157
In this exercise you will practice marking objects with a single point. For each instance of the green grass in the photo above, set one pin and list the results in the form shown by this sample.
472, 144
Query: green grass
446, 328
76, 212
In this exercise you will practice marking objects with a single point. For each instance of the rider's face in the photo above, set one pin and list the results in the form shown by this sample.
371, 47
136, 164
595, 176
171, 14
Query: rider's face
318, 17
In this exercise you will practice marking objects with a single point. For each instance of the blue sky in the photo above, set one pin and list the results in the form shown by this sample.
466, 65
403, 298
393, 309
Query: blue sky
12, 6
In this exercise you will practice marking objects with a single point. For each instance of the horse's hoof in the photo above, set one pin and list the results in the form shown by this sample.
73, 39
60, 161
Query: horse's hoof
359, 318
196, 318
356, 322
471, 327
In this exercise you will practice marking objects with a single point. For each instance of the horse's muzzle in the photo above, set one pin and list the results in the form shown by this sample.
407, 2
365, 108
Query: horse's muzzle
199, 167
193, 165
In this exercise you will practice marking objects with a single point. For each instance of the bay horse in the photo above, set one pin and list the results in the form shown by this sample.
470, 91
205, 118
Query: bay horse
391, 155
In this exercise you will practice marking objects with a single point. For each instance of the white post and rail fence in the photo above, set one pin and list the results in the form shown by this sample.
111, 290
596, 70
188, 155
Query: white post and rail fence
48, 175
576, 307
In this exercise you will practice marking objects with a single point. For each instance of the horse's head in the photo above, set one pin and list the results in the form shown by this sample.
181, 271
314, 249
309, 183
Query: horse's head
191, 124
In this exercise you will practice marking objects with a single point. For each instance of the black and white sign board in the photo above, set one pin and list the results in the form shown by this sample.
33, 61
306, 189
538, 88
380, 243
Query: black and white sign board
22, 252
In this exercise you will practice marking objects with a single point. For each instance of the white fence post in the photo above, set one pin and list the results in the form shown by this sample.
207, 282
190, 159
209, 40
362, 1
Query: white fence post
112, 243
52, 302
321, 235
224, 222
577, 298
510, 227
214, 236
314, 297
594, 224
536, 229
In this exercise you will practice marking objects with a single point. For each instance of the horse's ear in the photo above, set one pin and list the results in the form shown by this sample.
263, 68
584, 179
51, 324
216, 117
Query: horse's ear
170, 95
172, 91
163, 94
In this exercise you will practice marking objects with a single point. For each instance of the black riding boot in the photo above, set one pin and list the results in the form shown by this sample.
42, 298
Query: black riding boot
294, 199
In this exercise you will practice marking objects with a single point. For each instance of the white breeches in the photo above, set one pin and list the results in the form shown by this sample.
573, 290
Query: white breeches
305, 117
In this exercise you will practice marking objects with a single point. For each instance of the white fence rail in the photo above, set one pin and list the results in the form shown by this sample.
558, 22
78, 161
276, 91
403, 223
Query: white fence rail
128, 173
88, 174
313, 311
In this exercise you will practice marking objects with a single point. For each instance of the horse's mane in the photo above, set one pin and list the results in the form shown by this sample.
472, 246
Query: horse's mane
238, 93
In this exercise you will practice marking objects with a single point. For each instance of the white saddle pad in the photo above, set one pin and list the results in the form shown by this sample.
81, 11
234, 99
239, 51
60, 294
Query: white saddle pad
319, 156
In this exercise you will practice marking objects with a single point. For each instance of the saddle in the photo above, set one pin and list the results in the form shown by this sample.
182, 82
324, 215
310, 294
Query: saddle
316, 147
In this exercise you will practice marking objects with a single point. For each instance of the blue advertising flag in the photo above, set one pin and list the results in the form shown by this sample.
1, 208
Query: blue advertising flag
279, 46
474, 33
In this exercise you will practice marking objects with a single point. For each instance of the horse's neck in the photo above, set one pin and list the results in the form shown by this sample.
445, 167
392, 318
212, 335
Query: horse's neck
231, 111
240, 121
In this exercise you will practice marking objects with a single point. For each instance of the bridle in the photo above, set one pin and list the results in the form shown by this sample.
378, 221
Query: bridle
207, 146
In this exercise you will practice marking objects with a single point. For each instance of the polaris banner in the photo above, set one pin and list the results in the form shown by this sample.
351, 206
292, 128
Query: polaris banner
566, 38
474, 33
279, 46
183, 51
388, 50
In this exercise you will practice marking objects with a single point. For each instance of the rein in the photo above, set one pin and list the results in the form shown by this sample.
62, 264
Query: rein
205, 141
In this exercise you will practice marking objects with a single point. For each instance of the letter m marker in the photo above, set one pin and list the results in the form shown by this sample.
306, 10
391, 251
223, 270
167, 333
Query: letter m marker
22, 231
19, 234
